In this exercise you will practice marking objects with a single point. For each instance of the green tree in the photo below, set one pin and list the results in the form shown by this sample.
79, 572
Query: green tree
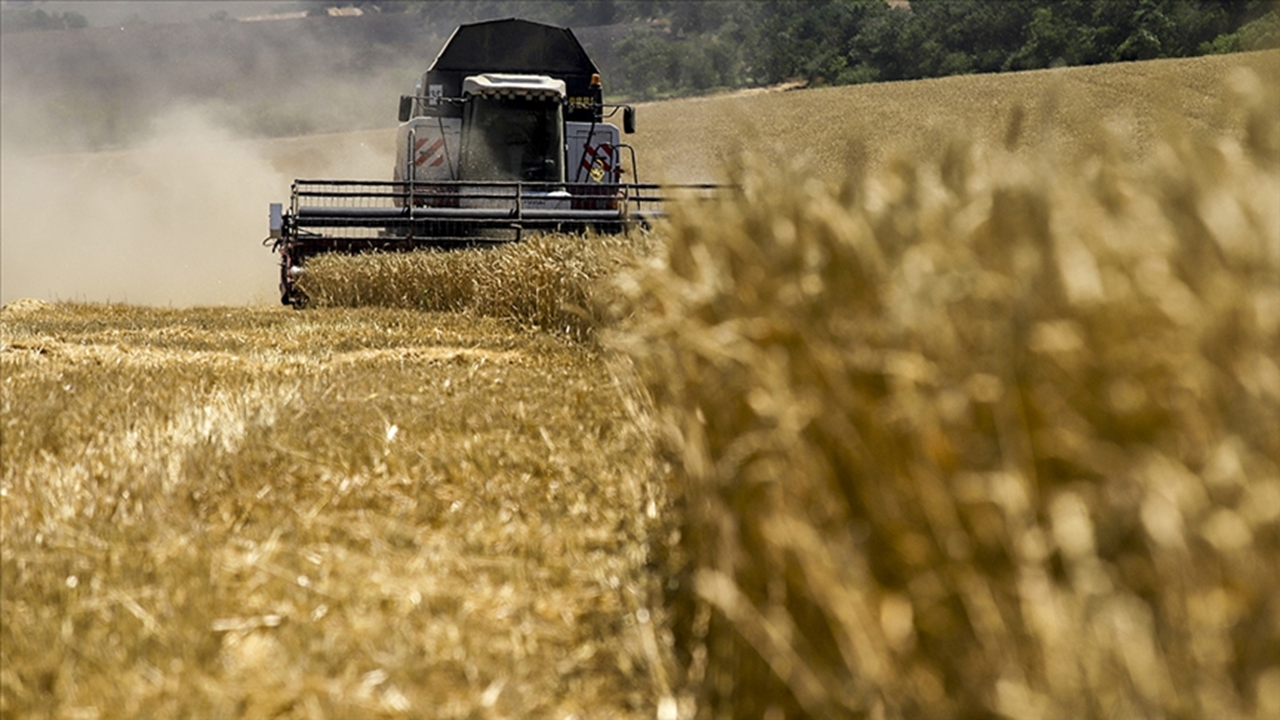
976, 35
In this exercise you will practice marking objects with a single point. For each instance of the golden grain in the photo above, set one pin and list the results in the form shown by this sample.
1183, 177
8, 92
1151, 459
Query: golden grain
953, 440
549, 282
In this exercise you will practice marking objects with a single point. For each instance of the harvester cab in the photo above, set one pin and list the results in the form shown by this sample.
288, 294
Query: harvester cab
511, 129
507, 132
514, 126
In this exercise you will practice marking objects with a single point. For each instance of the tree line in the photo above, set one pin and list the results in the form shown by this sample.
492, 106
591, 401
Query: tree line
696, 47
678, 47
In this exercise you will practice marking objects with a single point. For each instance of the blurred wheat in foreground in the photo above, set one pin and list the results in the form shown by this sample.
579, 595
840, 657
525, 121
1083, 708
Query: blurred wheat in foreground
983, 436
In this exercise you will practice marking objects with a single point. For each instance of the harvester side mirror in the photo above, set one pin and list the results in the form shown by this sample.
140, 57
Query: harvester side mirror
628, 119
275, 212
406, 107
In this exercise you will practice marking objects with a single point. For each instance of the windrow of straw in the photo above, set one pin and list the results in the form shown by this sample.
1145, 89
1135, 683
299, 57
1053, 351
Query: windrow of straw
982, 436
546, 281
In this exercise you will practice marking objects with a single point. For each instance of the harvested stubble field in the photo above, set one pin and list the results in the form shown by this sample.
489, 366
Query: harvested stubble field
338, 513
992, 430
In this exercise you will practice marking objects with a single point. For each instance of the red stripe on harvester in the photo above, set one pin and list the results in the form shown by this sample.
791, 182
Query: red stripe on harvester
429, 155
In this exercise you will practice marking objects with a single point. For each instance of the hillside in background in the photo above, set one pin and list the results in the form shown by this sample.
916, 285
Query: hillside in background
105, 85
833, 130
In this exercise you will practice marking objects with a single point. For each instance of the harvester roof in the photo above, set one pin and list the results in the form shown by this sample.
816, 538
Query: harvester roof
514, 46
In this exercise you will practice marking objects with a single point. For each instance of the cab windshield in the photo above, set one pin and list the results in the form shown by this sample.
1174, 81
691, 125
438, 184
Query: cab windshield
513, 139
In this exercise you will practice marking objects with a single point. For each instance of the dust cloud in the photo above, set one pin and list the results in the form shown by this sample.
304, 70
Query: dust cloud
177, 219
137, 164
174, 221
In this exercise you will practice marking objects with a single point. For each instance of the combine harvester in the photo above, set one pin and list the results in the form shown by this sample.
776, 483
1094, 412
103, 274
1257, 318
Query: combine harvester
506, 133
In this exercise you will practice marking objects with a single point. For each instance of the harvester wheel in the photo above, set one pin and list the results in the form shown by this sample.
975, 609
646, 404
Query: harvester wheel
295, 298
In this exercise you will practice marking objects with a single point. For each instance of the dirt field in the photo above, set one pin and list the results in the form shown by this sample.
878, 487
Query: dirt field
230, 509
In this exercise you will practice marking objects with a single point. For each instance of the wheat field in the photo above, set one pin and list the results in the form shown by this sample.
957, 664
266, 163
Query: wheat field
994, 432
833, 132
980, 423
